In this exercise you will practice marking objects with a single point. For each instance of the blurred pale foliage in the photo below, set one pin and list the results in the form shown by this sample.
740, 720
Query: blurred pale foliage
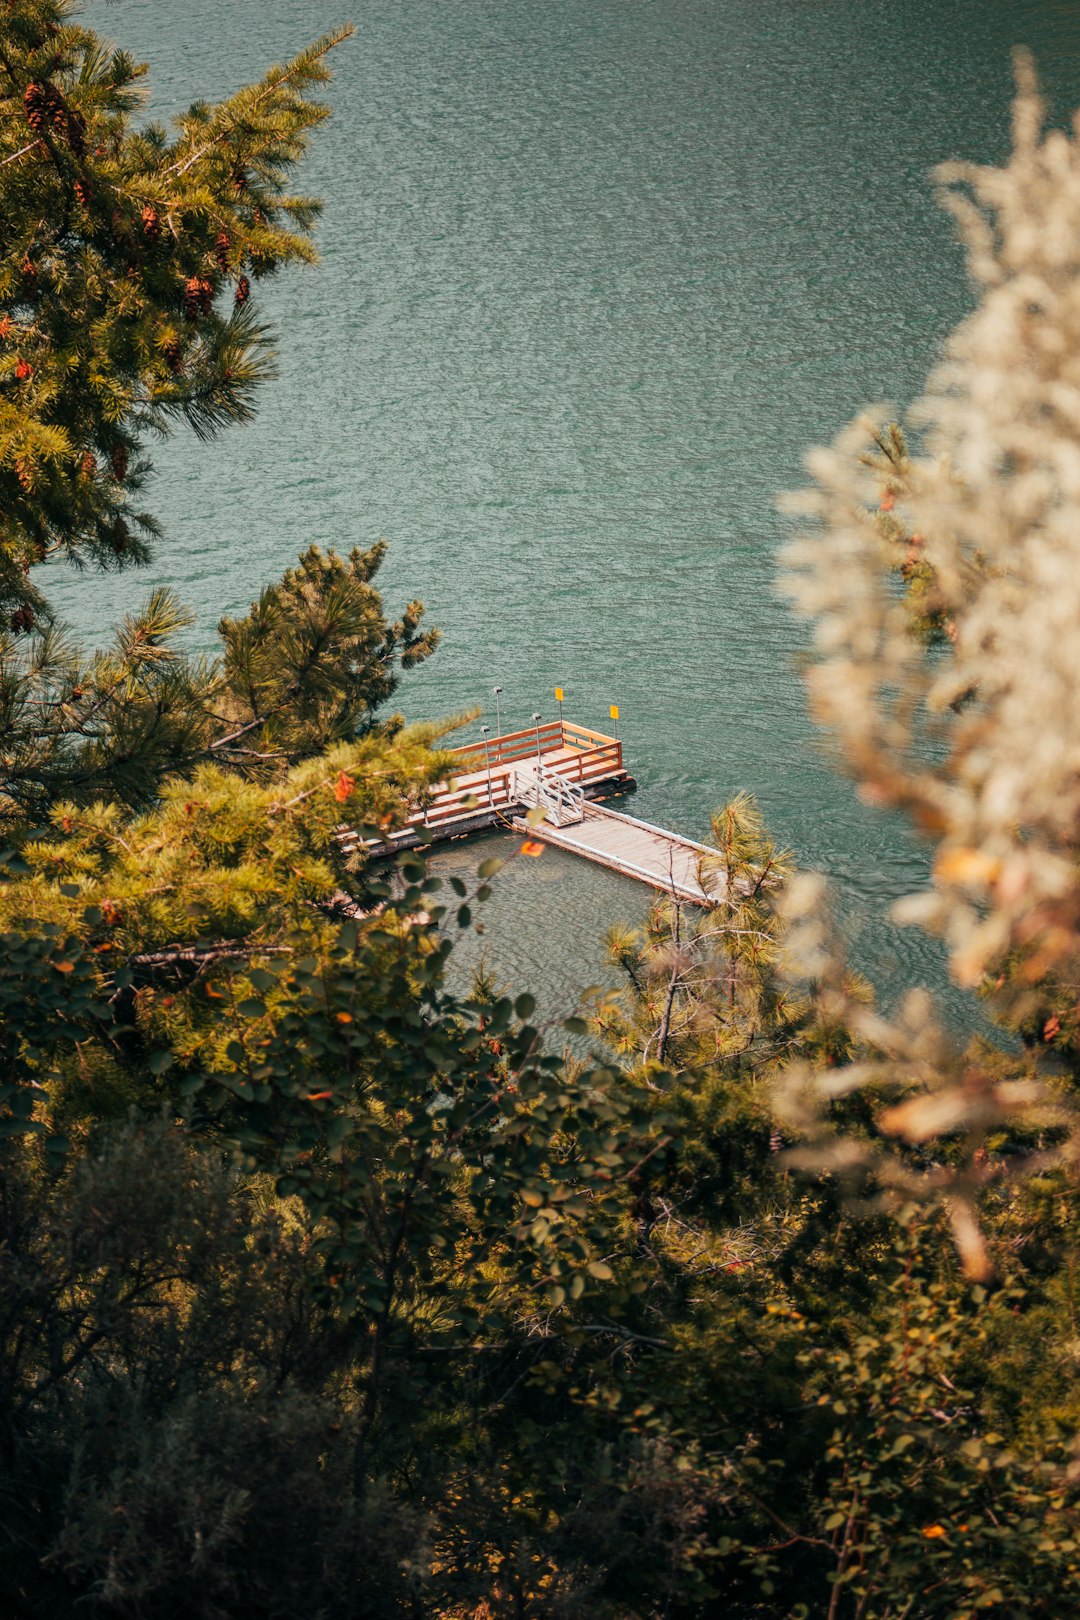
974, 736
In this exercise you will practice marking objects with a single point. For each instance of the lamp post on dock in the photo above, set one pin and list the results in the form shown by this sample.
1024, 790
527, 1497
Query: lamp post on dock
487, 756
498, 716
539, 764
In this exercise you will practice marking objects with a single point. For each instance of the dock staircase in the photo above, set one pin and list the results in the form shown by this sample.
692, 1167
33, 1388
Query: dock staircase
562, 802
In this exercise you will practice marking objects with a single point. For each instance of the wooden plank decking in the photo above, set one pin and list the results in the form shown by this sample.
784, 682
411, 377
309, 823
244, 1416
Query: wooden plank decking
662, 859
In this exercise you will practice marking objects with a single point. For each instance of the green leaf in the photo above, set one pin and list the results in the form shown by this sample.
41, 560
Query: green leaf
488, 868
525, 1006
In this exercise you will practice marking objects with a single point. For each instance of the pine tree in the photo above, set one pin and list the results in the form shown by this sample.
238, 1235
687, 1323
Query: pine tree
126, 269
124, 246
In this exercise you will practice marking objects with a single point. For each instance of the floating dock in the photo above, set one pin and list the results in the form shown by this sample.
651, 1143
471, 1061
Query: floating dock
664, 860
562, 769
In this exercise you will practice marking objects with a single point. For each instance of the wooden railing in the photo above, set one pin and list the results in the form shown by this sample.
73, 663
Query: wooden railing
552, 735
593, 763
515, 745
448, 803
582, 737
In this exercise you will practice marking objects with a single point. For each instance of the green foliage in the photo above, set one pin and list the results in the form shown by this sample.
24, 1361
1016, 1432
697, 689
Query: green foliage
168, 1364
313, 660
324, 1290
120, 240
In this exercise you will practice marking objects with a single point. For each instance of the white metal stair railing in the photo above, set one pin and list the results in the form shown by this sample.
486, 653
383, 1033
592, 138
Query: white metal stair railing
561, 801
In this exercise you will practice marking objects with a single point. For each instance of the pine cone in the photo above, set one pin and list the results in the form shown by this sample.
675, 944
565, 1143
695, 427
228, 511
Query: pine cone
83, 192
119, 462
28, 272
24, 370
25, 474
55, 106
76, 132
34, 107
89, 464
5, 327
243, 291
119, 537
198, 297
22, 620
151, 224
173, 356
222, 244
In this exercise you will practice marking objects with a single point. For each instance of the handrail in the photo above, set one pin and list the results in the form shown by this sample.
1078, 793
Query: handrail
557, 733
551, 729
562, 801
571, 728
666, 832
584, 766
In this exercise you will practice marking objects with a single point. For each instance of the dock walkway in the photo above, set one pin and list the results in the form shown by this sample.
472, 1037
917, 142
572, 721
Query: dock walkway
662, 859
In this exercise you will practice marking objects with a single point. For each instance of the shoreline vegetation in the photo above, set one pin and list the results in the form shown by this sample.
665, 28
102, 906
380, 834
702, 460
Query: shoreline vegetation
327, 1291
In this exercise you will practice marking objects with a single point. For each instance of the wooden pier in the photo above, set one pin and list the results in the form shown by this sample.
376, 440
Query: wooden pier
664, 860
561, 769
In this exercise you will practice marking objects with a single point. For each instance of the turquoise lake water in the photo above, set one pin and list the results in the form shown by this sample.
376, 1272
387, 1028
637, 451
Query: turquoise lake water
595, 274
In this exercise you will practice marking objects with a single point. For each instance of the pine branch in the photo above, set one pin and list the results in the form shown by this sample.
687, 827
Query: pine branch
271, 85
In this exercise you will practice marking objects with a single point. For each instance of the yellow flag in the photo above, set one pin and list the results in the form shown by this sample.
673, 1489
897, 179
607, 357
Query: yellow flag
558, 694
614, 711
